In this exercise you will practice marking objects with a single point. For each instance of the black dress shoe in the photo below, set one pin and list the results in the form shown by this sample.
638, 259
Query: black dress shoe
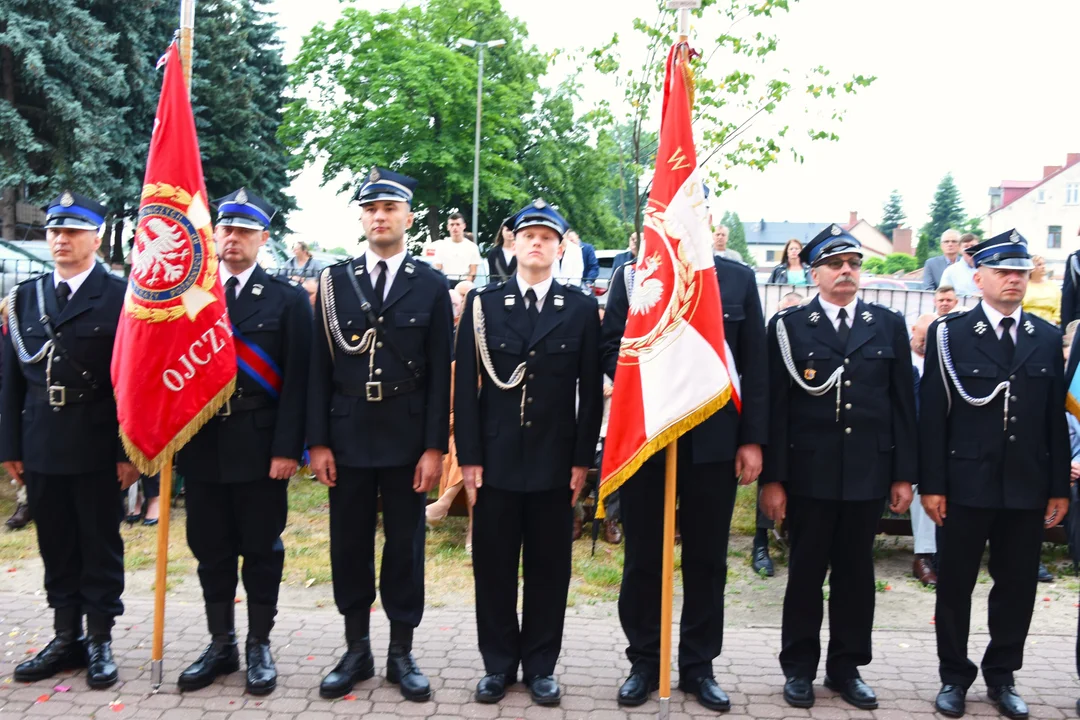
355, 665
62, 653
854, 692
799, 692
20, 518
401, 670
950, 701
762, 563
635, 691
1044, 574
1008, 702
220, 657
707, 692
492, 688
545, 690
101, 670
261, 671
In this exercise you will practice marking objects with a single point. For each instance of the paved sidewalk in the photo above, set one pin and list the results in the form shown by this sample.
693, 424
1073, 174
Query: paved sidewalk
308, 640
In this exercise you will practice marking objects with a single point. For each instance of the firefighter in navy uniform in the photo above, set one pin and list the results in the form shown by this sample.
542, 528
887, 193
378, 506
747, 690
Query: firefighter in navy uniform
842, 442
237, 467
994, 467
525, 452
378, 426
59, 435
714, 458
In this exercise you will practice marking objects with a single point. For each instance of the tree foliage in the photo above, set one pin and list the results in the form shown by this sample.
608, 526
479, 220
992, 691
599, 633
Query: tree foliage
735, 91
899, 263
737, 237
392, 89
946, 211
892, 215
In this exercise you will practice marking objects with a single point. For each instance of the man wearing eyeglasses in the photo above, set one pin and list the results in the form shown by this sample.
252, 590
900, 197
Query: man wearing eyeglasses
842, 443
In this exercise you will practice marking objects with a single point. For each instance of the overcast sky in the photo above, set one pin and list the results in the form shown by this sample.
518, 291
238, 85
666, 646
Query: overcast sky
982, 88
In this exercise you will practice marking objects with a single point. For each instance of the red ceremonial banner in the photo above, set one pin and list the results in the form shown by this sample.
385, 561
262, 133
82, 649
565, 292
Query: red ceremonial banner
174, 363
674, 368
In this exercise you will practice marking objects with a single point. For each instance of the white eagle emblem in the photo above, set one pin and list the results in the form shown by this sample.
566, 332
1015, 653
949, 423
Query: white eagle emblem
647, 290
162, 254
980, 327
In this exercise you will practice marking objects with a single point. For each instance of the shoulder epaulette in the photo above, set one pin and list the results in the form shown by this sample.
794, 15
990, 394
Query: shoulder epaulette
491, 287
952, 316
35, 278
790, 310
1042, 321
886, 307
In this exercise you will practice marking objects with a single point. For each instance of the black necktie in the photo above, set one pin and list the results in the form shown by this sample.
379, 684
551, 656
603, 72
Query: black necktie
230, 292
380, 283
63, 292
1007, 345
842, 330
534, 311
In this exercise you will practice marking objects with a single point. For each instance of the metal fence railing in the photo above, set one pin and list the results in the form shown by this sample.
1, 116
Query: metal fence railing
14, 271
910, 303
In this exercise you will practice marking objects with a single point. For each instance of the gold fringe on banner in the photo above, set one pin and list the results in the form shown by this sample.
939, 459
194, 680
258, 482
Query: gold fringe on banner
1072, 405
666, 436
152, 466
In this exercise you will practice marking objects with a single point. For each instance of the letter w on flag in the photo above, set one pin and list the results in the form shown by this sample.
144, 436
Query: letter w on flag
675, 369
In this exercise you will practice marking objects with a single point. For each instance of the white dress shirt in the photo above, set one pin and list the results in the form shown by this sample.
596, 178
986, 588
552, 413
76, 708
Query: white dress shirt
995, 318
833, 312
74, 283
541, 289
961, 277
918, 362
241, 279
393, 264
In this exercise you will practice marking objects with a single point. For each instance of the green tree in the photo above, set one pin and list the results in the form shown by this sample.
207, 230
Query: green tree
238, 90
923, 250
973, 225
892, 215
730, 101
737, 237
946, 211
899, 262
61, 104
873, 266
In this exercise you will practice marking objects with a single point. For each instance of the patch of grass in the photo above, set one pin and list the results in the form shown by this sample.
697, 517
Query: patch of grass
744, 518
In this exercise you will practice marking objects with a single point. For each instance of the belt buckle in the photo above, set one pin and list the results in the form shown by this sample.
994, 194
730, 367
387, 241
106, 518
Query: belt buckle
226, 409
57, 396
373, 390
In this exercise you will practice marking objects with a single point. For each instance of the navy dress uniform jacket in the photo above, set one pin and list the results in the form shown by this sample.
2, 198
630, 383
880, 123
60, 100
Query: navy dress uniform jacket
237, 447
719, 437
873, 442
978, 458
396, 431
79, 437
1070, 293
532, 449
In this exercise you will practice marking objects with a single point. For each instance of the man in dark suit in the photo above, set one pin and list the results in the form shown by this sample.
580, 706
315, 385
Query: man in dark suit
59, 435
994, 466
842, 439
714, 459
1070, 290
237, 467
378, 426
525, 450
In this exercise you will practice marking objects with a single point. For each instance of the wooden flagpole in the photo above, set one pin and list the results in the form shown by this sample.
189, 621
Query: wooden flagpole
667, 589
157, 667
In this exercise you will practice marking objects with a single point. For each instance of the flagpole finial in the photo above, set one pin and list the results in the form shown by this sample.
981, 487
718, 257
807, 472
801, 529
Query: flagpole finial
684, 7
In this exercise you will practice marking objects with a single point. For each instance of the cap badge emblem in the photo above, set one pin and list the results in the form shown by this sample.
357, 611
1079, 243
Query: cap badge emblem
809, 373
539, 204
242, 197
66, 199
1015, 237
836, 230
375, 176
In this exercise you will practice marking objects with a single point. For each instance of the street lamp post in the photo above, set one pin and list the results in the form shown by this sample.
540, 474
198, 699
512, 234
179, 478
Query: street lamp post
480, 47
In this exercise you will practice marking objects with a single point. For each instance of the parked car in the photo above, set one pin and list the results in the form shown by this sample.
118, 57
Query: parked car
883, 283
16, 266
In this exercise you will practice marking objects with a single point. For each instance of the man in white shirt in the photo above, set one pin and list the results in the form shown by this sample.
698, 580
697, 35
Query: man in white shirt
570, 266
457, 256
961, 275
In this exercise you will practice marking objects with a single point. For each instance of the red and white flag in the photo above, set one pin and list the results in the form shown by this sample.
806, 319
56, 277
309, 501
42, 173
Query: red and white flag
174, 363
675, 369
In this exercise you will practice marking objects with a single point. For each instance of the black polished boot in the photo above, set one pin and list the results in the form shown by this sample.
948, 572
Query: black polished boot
356, 664
401, 669
221, 656
101, 670
66, 651
261, 672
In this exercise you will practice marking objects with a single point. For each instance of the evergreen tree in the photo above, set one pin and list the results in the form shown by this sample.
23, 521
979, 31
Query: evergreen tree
238, 85
892, 216
946, 211
737, 237
61, 104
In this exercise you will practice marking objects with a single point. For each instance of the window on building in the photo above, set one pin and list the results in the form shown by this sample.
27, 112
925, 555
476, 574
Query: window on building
1053, 236
1072, 194
772, 256
1040, 196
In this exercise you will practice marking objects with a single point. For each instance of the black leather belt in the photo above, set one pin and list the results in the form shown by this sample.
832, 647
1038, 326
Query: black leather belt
244, 403
60, 395
377, 391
